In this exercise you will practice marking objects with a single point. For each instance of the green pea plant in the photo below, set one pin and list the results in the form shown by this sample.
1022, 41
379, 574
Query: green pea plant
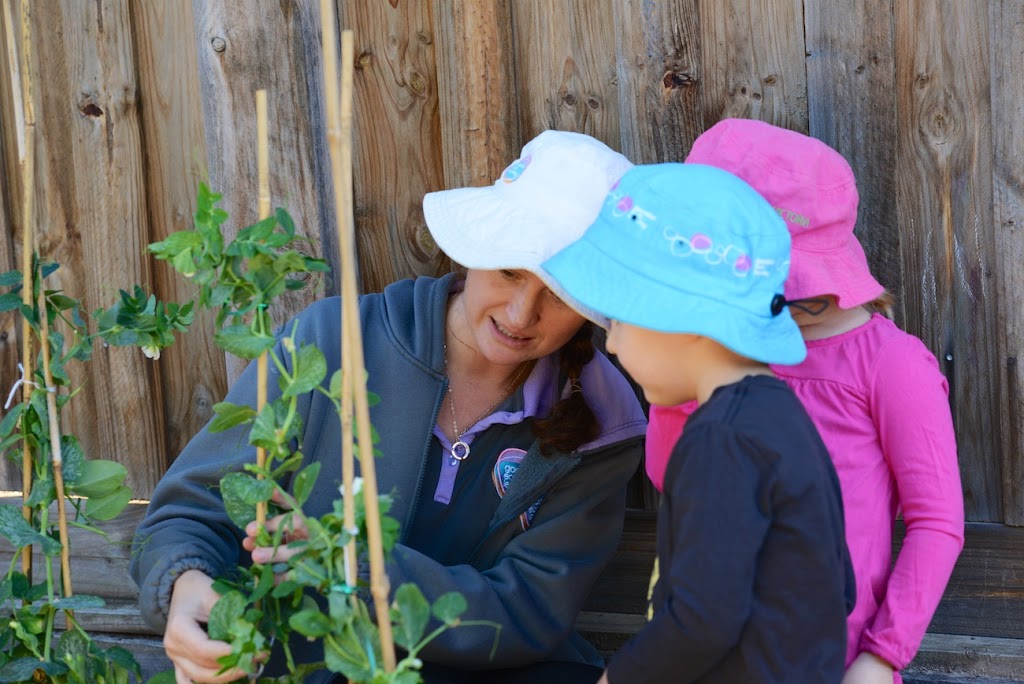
266, 604
33, 647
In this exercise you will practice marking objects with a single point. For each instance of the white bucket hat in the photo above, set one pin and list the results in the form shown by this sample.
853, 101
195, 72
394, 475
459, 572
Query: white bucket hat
542, 202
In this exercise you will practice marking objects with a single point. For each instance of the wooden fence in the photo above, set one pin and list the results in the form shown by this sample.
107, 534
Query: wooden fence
138, 100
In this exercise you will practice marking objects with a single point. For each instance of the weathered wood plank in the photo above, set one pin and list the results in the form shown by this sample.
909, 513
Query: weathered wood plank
985, 596
1007, 52
660, 71
397, 155
752, 59
244, 47
476, 90
565, 73
99, 565
944, 211
956, 658
851, 95
10, 236
92, 216
192, 376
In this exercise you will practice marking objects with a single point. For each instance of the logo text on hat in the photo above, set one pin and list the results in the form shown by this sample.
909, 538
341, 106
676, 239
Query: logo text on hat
793, 217
621, 205
701, 245
515, 169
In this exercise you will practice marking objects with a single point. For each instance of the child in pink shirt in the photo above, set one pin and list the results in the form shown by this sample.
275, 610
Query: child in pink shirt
874, 392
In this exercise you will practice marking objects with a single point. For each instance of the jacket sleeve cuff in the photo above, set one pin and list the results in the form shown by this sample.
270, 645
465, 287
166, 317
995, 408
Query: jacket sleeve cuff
155, 594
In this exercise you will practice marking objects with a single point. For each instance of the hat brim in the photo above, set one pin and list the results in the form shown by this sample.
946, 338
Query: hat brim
841, 272
513, 238
600, 281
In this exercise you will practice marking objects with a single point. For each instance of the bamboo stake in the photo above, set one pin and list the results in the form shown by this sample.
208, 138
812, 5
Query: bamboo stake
263, 163
347, 387
56, 456
339, 134
26, 161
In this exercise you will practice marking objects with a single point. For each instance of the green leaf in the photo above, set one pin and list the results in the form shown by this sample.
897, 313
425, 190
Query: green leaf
23, 669
72, 457
310, 623
229, 415
228, 610
124, 659
176, 243
14, 528
108, 506
410, 613
166, 677
10, 278
71, 646
345, 654
241, 492
78, 602
98, 478
242, 342
43, 492
309, 372
9, 301
10, 421
448, 607
305, 479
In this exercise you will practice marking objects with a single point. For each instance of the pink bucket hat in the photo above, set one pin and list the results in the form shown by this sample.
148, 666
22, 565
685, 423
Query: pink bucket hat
813, 189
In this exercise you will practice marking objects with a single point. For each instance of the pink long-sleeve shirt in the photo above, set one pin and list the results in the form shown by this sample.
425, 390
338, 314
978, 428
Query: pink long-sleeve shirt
881, 405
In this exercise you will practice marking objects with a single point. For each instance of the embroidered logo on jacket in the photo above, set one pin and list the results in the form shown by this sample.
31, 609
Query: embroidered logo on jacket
504, 470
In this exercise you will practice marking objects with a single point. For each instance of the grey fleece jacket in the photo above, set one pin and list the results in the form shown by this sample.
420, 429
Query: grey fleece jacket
532, 582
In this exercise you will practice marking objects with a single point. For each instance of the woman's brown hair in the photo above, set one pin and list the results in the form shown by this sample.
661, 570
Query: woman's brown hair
572, 423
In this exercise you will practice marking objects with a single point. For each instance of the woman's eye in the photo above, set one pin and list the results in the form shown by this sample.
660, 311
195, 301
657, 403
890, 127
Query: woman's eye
556, 299
505, 273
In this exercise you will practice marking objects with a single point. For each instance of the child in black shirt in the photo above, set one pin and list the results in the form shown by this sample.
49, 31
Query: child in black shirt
753, 581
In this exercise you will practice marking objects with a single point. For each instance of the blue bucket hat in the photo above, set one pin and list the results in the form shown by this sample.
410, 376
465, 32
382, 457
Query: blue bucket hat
688, 248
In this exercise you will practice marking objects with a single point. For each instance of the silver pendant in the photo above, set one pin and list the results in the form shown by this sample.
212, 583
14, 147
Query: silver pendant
460, 451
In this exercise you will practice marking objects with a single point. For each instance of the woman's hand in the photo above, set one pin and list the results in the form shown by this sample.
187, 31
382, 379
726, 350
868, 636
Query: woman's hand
294, 529
192, 652
868, 668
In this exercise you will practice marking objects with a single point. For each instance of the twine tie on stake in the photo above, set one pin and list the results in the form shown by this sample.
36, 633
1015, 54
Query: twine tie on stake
23, 381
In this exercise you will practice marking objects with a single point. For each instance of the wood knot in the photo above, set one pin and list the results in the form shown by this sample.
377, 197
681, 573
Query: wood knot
771, 80
859, 70
90, 109
922, 80
569, 99
593, 102
425, 240
417, 83
218, 44
364, 60
678, 79
424, 37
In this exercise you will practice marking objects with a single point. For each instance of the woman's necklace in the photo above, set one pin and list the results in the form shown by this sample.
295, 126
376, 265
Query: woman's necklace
460, 450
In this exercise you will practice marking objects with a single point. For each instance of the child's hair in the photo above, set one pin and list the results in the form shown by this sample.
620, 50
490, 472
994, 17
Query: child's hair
884, 304
572, 423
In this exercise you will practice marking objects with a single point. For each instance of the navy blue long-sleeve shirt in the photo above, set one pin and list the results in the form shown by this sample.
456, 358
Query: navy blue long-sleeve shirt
755, 580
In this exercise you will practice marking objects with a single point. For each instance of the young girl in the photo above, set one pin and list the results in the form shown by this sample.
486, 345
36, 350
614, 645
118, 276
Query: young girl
874, 392
752, 581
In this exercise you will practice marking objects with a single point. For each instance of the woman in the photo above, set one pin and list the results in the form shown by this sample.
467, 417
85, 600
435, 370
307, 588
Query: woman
491, 373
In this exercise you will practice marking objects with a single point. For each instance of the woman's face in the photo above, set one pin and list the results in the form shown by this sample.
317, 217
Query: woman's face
513, 317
